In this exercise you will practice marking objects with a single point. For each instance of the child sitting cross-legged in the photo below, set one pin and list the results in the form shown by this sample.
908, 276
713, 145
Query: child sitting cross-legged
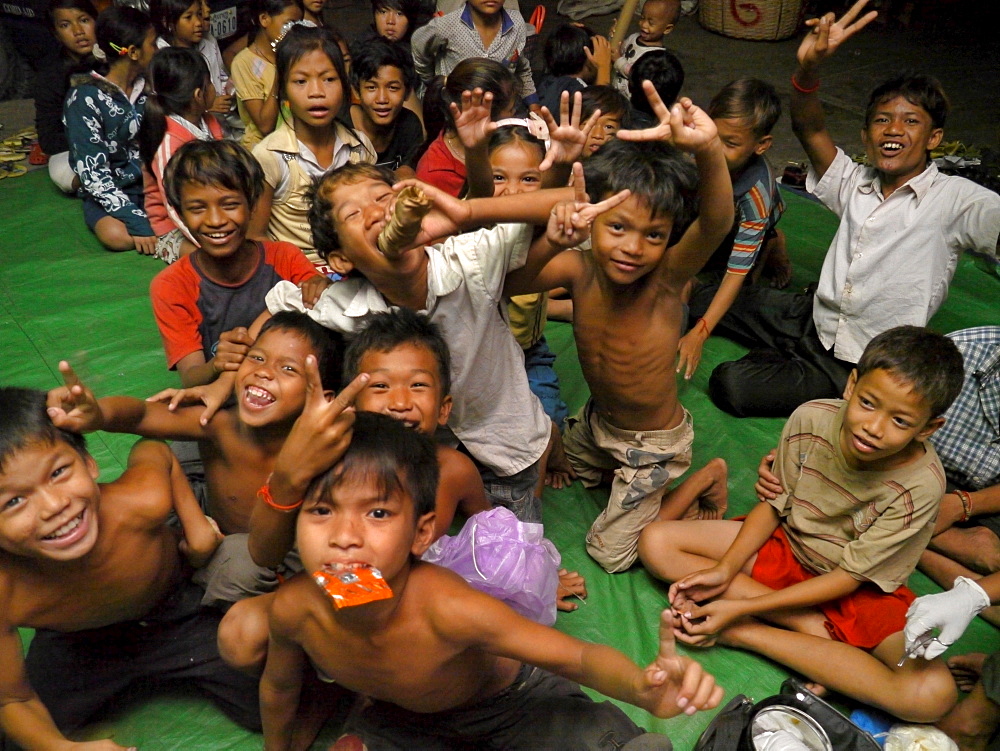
440, 663
96, 570
814, 579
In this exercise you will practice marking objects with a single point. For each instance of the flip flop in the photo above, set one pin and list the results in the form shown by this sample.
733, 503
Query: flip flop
37, 156
9, 155
11, 169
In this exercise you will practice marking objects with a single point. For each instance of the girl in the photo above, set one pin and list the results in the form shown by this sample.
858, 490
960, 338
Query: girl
72, 21
181, 23
177, 112
102, 115
443, 163
312, 10
313, 84
253, 69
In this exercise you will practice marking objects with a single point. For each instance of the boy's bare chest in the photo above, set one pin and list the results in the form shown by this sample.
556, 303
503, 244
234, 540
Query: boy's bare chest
235, 470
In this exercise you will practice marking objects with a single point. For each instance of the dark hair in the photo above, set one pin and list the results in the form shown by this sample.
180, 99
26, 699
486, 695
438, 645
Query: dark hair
223, 163
922, 90
385, 331
166, 13
24, 422
666, 73
657, 173
327, 345
565, 49
471, 73
371, 55
271, 7
82, 5
929, 362
173, 75
508, 134
320, 198
122, 27
608, 100
299, 42
750, 100
383, 451
417, 13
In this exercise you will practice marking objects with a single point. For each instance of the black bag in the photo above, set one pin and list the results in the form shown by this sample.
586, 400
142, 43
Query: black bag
730, 730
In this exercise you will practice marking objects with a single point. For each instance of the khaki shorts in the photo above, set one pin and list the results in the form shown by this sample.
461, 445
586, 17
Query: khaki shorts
644, 463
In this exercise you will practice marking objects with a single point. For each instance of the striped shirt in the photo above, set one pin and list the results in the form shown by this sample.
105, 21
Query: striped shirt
758, 208
872, 524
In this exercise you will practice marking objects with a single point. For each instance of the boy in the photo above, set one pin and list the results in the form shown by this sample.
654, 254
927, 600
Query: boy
481, 28
96, 570
657, 20
664, 70
825, 563
615, 115
627, 310
575, 58
214, 185
382, 78
744, 111
442, 664
903, 226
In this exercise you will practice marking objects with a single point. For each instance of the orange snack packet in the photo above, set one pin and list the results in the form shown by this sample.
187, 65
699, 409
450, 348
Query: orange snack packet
355, 585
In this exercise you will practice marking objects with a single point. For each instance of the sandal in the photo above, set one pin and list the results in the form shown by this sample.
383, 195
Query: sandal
37, 156
12, 169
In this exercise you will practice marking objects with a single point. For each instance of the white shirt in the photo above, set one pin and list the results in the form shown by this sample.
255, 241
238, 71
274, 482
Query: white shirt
892, 258
495, 415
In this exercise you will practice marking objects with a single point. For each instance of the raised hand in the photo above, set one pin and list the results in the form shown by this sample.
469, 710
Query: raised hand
685, 125
473, 122
73, 406
567, 137
570, 221
232, 349
600, 58
827, 33
673, 684
449, 215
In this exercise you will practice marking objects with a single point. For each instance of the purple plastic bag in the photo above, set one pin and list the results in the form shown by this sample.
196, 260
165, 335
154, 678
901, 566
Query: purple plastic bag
505, 558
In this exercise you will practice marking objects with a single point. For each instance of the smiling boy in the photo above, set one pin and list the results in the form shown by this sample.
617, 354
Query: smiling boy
815, 578
903, 227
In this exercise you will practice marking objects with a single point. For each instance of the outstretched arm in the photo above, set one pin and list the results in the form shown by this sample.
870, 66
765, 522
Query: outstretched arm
474, 125
825, 36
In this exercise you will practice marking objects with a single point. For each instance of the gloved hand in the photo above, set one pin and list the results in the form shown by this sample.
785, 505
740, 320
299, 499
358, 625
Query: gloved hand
950, 611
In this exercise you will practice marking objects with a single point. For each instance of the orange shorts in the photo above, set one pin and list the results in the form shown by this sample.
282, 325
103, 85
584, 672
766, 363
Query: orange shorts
862, 619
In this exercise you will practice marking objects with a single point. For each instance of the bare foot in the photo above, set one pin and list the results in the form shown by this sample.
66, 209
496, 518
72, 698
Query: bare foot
559, 473
972, 722
710, 482
571, 584
966, 669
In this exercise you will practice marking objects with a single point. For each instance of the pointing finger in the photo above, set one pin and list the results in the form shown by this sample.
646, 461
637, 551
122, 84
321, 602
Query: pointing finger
349, 393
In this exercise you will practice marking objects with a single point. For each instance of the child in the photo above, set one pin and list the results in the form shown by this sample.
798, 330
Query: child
396, 20
72, 22
177, 112
626, 302
95, 569
481, 28
312, 11
874, 276
182, 24
657, 20
102, 115
744, 112
664, 70
449, 666
575, 58
310, 142
213, 185
253, 69
382, 79
615, 115
825, 562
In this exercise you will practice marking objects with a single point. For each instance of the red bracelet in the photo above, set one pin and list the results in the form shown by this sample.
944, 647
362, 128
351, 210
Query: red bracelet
803, 90
264, 494
704, 326
966, 499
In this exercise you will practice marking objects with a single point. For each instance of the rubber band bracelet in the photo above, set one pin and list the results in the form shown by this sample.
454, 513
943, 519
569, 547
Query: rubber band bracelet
802, 89
704, 326
265, 495
966, 499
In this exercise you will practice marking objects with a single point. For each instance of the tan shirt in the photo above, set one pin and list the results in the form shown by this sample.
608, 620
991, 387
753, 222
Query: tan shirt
253, 78
873, 525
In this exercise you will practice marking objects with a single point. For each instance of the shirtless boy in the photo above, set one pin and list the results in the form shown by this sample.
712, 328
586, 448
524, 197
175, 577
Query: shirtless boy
95, 569
626, 298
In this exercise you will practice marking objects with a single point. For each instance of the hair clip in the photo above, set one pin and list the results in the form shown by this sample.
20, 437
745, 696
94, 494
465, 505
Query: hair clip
286, 28
122, 51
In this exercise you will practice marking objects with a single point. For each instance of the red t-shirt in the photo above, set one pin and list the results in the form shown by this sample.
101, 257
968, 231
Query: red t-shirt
439, 167
192, 310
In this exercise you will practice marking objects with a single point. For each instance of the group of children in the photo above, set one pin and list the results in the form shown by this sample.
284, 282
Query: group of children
291, 318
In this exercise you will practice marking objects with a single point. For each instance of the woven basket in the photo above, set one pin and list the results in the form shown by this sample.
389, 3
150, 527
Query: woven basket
768, 20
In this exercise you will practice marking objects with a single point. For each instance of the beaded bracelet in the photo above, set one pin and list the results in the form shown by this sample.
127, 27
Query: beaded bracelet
801, 89
264, 494
966, 499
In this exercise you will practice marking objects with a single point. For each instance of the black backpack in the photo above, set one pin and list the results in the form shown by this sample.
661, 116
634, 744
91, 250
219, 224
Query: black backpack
730, 730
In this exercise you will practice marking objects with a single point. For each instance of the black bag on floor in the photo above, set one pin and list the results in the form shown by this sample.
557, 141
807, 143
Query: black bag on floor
731, 730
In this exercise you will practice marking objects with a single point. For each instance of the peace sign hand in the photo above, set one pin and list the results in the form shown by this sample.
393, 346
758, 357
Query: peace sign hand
570, 221
73, 406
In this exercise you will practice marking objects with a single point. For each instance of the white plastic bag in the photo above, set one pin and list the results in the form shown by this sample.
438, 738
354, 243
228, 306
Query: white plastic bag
918, 738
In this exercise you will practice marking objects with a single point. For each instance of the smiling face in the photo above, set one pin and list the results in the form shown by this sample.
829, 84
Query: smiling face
515, 169
190, 27
314, 90
628, 243
75, 31
897, 140
655, 22
885, 423
216, 216
271, 382
382, 96
739, 143
405, 385
603, 131
391, 24
359, 214
48, 502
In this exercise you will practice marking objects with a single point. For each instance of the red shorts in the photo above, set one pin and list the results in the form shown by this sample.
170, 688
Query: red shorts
863, 618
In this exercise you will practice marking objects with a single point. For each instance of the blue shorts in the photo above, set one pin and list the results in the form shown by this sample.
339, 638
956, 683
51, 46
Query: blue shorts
93, 212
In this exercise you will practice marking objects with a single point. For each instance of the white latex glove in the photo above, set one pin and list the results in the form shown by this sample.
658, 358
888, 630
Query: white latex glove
950, 611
